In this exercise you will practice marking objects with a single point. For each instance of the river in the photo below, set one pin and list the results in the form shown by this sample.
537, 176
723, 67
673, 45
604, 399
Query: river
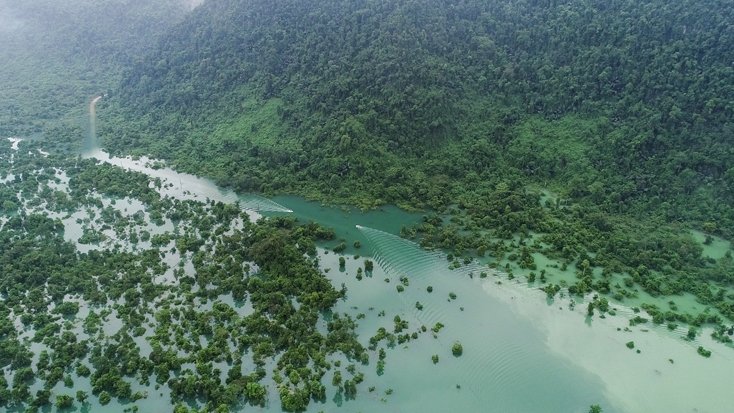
521, 352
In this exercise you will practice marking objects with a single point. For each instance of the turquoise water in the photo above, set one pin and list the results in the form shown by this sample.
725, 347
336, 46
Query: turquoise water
506, 365
504, 355
186, 186
521, 353
716, 248
526, 354
345, 219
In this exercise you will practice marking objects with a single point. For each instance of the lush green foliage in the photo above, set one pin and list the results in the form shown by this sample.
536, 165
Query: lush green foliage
185, 326
625, 104
621, 109
592, 133
607, 254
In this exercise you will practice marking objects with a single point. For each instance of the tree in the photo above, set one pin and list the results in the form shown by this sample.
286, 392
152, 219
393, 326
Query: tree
337, 379
42, 398
691, 335
9, 206
64, 401
595, 408
350, 389
104, 398
457, 349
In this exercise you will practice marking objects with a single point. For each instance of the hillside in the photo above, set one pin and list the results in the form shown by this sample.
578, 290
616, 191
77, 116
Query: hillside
597, 133
397, 98
565, 172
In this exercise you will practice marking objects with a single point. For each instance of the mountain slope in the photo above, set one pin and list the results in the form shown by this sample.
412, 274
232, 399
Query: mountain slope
386, 101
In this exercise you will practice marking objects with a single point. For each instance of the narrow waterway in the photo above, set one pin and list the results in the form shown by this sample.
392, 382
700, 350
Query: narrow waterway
176, 185
521, 352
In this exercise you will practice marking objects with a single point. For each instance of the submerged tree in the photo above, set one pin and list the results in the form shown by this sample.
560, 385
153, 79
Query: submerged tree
457, 349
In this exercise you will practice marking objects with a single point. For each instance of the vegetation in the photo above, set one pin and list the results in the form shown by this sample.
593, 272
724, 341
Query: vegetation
533, 120
541, 133
201, 342
57, 56
591, 135
703, 352
457, 349
535, 102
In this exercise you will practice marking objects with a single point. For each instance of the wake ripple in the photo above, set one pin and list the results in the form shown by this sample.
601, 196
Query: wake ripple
486, 365
259, 203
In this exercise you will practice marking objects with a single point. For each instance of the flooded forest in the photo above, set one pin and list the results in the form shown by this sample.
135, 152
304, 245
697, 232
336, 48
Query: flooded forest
366, 205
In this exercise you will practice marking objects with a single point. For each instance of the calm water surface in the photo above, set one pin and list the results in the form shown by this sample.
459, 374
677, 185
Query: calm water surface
522, 353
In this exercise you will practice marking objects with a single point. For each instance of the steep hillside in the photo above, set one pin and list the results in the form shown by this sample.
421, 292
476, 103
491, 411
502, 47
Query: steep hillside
388, 101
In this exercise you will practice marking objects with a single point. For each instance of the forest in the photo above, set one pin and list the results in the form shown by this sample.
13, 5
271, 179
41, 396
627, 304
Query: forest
625, 105
602, 128
56, 55
593, 135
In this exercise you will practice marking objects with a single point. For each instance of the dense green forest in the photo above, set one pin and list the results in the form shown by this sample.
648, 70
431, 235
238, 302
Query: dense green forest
596, 136
603, 129
623, 104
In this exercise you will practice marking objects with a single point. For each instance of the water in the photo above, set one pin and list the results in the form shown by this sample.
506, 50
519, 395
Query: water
93, 120
506, 365
186, 186
344, 220
717, 248
685, 303
524, 342
521, 352
175, 184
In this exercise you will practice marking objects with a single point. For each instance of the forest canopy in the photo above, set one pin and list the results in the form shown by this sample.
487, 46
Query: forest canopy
588, 141
623, 104
603, 128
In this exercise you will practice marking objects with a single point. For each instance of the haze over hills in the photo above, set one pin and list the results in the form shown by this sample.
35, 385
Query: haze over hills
625, 104
56, 54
